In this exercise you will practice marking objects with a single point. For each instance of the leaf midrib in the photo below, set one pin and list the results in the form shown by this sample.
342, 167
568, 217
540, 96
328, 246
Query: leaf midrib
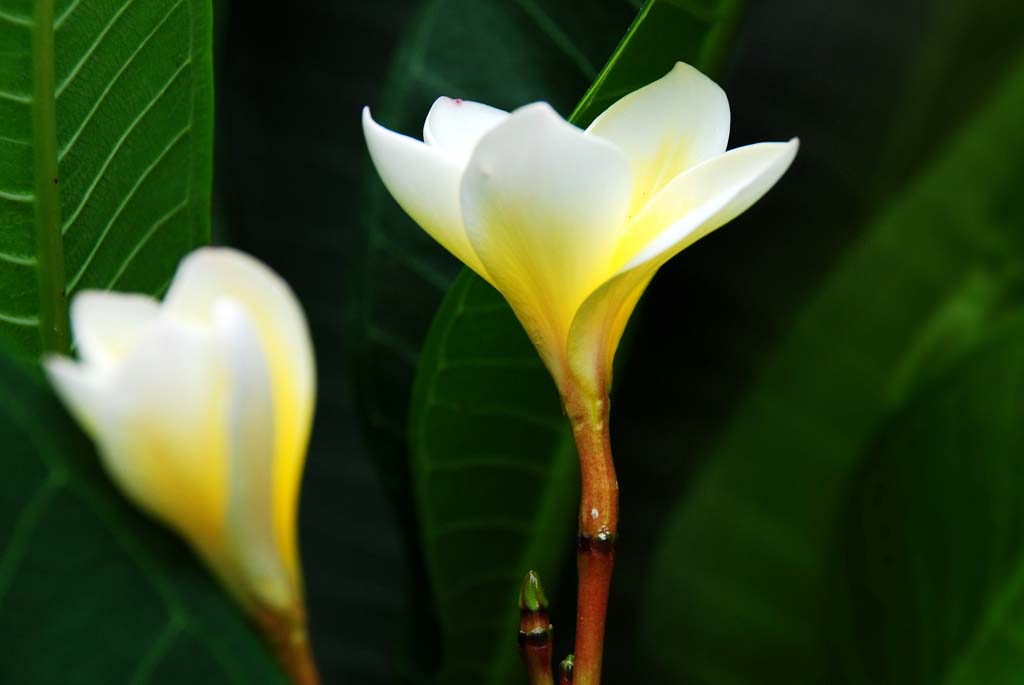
53, 314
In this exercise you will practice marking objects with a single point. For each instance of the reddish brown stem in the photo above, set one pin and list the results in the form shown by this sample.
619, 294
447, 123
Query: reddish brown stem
535, 649
598, 526
286, 633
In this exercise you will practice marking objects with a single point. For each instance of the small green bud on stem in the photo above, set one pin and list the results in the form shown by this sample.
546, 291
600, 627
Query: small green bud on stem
565, 671
531, 596
535, 631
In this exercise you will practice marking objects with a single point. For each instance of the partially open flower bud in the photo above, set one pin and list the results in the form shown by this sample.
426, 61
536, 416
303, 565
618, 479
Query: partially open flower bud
201, 408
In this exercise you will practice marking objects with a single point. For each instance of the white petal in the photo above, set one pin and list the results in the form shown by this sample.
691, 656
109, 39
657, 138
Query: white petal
455, 126
211, 275
250, 424
667, 127
107, 324
544, 205
157, 419
425, 183
692, 206
81, 388
598, 327
703, 199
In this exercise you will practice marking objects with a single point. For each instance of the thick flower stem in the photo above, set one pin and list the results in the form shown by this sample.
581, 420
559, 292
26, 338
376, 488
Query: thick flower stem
598, 526
286, 634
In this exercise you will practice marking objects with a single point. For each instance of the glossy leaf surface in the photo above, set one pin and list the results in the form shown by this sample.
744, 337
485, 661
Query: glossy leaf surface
105, 153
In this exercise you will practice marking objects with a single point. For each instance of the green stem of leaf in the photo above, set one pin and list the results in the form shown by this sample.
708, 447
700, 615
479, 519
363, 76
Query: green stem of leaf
53, 317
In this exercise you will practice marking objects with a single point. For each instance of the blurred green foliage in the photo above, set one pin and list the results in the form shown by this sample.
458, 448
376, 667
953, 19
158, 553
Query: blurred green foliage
938, 514
818, 426
923, 267
90, 592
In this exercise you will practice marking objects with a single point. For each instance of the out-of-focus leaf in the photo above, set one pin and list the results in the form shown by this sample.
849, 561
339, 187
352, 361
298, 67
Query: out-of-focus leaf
494, 466
105, 153
90, 592
292, 80
741, 577
933, 553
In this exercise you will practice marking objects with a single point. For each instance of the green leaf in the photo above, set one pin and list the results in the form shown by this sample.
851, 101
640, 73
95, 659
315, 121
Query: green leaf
105, 153
934, 553
90, 591
745, 553
495, 475
494, 465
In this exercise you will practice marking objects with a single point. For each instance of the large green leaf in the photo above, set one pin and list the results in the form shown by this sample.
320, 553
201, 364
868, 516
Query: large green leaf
90, 592
289, 164
495, 477
934, 549
494, 465
105, 152
745, 552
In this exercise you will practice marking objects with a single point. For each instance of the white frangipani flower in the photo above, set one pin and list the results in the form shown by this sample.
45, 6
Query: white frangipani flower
570, 225
201, 407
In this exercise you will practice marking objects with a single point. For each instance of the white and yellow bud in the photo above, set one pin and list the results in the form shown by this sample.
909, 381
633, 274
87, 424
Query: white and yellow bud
571, 225
201, 408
